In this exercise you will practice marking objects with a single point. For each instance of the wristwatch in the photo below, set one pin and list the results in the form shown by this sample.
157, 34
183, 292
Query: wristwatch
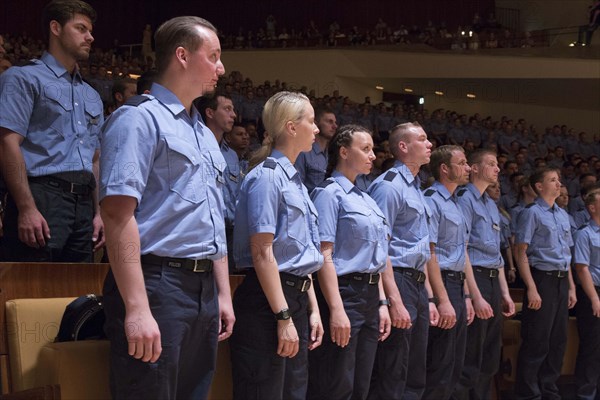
283, 315
434, 300
384, 302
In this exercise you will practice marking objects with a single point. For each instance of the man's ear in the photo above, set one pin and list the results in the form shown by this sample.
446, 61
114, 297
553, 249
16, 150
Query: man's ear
55, 28
210, 113
181, 54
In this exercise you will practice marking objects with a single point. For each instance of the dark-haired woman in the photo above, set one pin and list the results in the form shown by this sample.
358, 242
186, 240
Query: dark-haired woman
276, 241
354, 243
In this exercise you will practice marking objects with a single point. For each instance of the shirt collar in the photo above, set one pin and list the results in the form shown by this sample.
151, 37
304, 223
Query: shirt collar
317, 149
169, 100
56, 67
542, 203
406, 174
344, 182
285, 163
441, 189
473, 189
224, 144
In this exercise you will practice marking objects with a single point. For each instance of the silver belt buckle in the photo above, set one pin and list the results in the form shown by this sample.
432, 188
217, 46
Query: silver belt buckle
305, 285
373, 279
197, 266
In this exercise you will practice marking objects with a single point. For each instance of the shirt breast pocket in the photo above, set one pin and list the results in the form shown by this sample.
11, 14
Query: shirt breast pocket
185, 177
359, 220
93, 116
416, 214
59, 109
595, 242
453, 224
218, 164
296, 217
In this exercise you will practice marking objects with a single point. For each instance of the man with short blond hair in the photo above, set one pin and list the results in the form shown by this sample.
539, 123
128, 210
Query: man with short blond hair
400, 363
167, 298
487, 281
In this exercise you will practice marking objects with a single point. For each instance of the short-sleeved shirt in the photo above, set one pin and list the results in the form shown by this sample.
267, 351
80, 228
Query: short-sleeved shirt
587, 249
514, 212
311, 166
351, 220
447, 228
482, 216
233, 179
170, 162
547, 232
397, 193
58, 115
505, 230
581, 217
272, 199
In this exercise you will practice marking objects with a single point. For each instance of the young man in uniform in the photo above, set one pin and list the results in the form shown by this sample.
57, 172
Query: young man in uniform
543, 257
167, 298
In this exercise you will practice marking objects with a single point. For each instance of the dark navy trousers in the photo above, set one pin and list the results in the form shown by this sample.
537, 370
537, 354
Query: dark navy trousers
185, 306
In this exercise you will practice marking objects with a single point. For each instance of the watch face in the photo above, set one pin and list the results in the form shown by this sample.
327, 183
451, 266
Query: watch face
283, 314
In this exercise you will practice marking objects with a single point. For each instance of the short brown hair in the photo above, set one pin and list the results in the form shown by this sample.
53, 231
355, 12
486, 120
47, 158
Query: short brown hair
476, 156
63, 11
178, 32
539, 175
442, 155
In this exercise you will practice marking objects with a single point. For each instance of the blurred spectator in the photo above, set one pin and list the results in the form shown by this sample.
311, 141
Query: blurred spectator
584, 37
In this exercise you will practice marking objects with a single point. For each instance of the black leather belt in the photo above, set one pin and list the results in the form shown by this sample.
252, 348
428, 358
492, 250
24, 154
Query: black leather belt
302, 283
184, 263
457, 275
488, 272
65, 186
413, 273
371, 279
556, 274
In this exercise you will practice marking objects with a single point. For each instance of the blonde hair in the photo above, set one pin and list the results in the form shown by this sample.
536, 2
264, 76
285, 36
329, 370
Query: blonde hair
280, 109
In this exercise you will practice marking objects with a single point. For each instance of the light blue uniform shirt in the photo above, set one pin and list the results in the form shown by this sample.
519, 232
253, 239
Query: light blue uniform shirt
273, 200
482, 216
514, 212
587, 249
547, 232
505, 231
397, 193
351, 220
311, 166
581, 218
233, 179
447, 228
171, 164
58, 115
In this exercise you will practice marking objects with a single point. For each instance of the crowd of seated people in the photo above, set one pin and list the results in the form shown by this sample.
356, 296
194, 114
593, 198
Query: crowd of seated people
117, 61
480, 33
516, 141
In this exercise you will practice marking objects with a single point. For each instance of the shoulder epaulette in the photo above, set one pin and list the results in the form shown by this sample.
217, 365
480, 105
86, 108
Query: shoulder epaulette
583, 227
515, 205
461, 192
390, 175
530, 205
325, 183
34, 61
429, 192
136, 100
270, 163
